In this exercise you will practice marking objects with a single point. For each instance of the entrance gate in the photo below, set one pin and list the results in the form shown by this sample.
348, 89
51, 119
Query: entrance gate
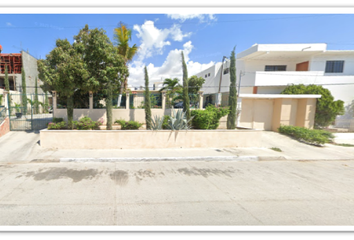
27, 114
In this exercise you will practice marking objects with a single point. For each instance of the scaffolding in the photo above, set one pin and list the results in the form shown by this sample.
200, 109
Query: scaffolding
13, 62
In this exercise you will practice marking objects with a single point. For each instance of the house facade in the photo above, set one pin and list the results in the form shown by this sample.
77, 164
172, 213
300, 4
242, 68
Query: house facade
270, 68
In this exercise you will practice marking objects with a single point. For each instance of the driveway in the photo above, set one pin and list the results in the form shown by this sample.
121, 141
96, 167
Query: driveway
178, 193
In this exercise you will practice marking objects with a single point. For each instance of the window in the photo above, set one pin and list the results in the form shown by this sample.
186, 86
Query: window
334, 66
208, 74
226, 71
275, 68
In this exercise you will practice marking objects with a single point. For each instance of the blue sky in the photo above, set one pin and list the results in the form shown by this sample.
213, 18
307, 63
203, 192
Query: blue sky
205, 39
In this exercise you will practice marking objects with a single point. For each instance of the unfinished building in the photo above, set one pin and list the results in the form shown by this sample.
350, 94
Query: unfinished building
15, 62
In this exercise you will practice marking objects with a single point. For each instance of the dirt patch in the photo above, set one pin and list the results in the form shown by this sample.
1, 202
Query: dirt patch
205, 172
120, 177
59, 173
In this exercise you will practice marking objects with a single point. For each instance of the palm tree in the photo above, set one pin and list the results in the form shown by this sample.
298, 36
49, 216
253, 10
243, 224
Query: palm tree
122, 36
171, 86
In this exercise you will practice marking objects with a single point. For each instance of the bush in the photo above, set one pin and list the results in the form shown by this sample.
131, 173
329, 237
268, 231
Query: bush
165, 122
58, 120
208, 118
131, 125
317, 137
87, 123
58, 125
326, 108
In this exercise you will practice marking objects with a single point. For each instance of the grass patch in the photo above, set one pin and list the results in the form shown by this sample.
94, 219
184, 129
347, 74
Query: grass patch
310, 136
276, 149
344, 144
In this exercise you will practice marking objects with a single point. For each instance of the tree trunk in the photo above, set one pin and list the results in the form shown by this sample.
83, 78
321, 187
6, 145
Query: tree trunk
109, 107
70, 111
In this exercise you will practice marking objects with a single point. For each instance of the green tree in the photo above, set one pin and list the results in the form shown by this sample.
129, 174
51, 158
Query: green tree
24, 92
231, 117
326, 108
194, 86
106, 67
36, 102
46, 102
147, 102
65, 72
185, 89
7, 84
122, 36
171, 86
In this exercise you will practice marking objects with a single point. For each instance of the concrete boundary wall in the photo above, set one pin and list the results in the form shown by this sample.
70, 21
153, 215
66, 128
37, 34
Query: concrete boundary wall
145, 139
4, 127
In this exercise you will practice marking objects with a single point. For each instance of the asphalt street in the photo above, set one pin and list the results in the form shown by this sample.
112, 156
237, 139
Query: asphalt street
165, 193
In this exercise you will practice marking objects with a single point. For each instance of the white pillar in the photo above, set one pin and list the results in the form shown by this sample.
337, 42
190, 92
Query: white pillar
200, 99
163, 101
54, 98
127, 106
6, 96
90, 100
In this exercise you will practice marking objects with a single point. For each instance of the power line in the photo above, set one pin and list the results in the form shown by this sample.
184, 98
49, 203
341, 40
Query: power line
171, 23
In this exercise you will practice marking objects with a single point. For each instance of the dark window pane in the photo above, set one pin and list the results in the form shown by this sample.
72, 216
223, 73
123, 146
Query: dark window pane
334, 66
275, 68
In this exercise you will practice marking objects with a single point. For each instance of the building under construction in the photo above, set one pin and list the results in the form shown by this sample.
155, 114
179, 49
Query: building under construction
15, 62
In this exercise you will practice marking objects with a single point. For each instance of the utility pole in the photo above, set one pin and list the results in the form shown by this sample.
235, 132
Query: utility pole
239, 84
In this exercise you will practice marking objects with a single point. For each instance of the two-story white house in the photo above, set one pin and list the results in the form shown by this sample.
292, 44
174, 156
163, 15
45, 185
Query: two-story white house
269, 68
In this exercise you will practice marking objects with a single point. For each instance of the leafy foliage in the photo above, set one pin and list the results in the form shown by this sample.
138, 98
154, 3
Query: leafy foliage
195, 84
147, 104
166, 118
130, 125
57, 120
7, 84
326, 108
178, 121
86, 123
24, 92
231, 118
58, 125
156, 122
316, 137
208, 118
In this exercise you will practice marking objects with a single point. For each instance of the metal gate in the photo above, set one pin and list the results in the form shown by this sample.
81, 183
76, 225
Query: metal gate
28, 112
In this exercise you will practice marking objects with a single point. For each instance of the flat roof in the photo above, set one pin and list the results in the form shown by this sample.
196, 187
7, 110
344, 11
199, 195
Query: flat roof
280, 96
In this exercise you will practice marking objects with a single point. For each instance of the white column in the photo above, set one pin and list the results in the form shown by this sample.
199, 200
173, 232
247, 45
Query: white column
200, 99
127, 106
54, 98
90, 100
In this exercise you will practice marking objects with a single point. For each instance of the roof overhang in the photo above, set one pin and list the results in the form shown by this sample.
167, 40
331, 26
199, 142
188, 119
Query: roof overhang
297, 96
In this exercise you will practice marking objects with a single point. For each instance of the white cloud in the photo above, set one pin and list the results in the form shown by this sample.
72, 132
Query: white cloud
153, 40
171, 68
8, 24
183, 17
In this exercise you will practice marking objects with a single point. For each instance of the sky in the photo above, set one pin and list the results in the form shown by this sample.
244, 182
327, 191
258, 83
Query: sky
203, 38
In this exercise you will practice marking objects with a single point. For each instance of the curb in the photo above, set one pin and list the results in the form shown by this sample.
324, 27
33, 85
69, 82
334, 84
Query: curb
147, 159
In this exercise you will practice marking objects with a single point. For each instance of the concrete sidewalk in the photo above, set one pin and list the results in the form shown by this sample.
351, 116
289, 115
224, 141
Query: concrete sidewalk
22, 147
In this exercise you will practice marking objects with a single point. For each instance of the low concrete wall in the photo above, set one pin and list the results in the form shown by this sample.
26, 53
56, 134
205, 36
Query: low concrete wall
135, 139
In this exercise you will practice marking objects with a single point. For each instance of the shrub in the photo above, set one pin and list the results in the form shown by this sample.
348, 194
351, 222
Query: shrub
316, 137
131, 125
326, 108
208, 118
165, 122
86, 123
58, 125
57, 120
156, 122
178, 121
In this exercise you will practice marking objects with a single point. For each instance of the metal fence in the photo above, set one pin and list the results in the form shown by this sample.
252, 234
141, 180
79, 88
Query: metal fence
29, 112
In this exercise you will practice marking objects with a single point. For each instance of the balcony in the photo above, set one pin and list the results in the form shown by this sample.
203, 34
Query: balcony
283, 78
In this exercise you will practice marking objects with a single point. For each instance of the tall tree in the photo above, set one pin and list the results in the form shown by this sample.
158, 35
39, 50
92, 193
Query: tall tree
106, 67
185, 89
122, 36
36, 102
24, 92
7, 84
231, 118
64, 71
147, 102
